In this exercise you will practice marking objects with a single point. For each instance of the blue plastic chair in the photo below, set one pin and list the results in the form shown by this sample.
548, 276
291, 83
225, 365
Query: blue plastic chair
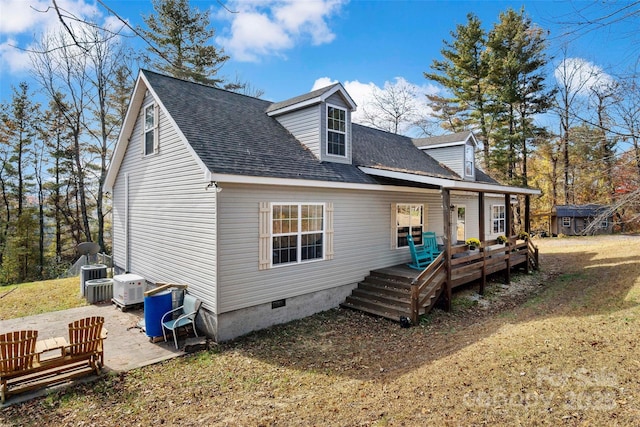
429, 240
186, 316
421, 256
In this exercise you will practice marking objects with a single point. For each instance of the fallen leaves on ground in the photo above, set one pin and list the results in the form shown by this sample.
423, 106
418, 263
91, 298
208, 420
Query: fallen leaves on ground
558, 347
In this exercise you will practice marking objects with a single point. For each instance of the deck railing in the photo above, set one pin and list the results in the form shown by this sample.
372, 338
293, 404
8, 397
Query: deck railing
428, 283
467, 265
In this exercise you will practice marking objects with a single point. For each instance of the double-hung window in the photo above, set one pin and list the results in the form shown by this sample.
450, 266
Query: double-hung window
336, 131
297, 233
150, 129
469, 160
498, 219
409, 220
566, 221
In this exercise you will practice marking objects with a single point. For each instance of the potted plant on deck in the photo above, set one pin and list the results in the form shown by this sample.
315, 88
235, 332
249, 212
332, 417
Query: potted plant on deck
473, 243
502, 239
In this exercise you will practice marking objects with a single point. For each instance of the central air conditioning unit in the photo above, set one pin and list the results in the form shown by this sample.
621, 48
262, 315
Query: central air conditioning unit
128, 289
99, 290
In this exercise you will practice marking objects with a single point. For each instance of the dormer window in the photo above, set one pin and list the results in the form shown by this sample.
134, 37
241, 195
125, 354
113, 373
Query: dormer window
336, 131
469, 160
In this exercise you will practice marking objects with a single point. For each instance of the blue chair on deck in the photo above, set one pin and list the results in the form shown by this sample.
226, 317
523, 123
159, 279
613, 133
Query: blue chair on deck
421, 256
429, 240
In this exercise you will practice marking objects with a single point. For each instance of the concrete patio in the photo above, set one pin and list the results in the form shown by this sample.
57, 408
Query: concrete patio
126, 347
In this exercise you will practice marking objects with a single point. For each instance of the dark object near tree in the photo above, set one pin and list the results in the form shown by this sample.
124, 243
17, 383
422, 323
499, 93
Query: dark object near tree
405, 322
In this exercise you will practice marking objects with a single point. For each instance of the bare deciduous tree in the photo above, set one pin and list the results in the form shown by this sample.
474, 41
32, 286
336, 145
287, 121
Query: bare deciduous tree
393, 108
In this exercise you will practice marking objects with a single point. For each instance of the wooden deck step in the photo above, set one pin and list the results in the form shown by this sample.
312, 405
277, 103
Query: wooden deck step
386, 292
383, 310
381, 297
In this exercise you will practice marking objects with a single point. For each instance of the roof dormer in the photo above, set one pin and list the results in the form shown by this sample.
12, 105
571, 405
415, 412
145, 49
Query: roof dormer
456, 151
320, 120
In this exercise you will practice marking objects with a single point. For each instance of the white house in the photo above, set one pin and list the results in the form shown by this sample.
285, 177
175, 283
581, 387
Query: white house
274, 211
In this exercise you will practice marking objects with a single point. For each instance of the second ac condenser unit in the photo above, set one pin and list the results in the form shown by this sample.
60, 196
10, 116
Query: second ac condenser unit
128, 289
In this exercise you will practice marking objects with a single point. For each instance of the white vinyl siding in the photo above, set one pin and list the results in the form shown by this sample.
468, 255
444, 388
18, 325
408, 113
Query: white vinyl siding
305, 126
451, 157
172, 217
361, 241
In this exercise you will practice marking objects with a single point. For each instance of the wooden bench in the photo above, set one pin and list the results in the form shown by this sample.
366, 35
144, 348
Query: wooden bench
27, 364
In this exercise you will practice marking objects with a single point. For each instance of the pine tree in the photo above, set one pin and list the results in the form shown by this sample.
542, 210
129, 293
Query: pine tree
463, 72
19, 132
516, 59
181, 41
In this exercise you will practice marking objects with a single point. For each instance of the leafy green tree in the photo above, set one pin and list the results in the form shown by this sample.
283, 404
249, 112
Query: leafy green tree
180, 42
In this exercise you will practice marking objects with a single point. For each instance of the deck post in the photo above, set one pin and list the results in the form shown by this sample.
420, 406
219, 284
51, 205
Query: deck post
527, 214
509, 233
446, 212
527, 229
483, 279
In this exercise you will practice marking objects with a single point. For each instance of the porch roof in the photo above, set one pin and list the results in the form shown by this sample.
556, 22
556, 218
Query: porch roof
450, 184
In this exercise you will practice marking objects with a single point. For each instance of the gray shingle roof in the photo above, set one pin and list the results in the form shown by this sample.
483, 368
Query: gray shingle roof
298, 99
442, 139
379, 149
581, 211
232, 134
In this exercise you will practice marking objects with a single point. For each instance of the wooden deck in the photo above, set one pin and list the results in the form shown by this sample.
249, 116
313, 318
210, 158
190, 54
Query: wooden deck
399, 291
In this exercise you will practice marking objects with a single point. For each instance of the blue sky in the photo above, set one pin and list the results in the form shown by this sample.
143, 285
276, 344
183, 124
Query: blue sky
288, 47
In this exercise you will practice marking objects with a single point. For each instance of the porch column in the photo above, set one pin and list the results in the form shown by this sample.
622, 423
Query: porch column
509, 233
446, 216
527, 214
527, 226
482, 235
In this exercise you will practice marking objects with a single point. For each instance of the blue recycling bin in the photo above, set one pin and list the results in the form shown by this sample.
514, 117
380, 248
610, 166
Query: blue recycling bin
156, 306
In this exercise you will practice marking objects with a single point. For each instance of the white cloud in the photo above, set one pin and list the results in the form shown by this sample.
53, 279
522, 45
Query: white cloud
362, 94
580, 75
31, 16
16, 60
22, 22
260, 28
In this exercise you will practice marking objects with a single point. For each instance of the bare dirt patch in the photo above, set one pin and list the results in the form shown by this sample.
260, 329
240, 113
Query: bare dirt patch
558, 347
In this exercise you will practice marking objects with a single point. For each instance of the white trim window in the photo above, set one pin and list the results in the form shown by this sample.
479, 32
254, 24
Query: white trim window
150, 140
566, 221
409, 219
604, 224
469, 160
497, 219
297, 233
336, 131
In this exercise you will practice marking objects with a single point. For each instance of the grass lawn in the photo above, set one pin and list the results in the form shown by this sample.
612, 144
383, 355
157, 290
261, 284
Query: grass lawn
558, 347
40, 297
